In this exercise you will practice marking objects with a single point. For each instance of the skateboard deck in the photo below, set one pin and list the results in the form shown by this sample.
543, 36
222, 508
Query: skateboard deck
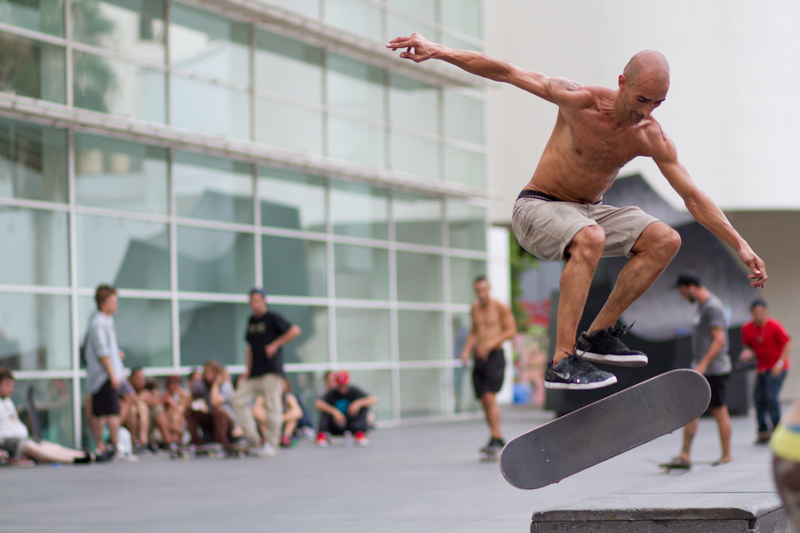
684, 466
605, 429
489, 454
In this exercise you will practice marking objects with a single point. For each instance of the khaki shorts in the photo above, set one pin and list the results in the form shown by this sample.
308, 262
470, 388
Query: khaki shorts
545, 227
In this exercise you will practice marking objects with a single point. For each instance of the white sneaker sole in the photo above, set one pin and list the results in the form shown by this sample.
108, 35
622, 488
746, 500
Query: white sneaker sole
616, 360
580, 386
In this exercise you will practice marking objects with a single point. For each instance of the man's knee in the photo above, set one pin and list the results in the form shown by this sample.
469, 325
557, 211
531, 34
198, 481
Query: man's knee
660, 237
588, 243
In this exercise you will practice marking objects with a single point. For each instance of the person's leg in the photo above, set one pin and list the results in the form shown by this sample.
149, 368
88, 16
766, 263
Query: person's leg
50, 452
773, 404
689, 431
492, 413
583, 254
273, 392
724, 423
245, 392
143, 422
192, 423
114, 422
760, 401
221, 425
653, 251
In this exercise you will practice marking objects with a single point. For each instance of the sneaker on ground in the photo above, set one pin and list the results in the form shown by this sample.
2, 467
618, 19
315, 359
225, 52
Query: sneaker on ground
322, 440
361, 438
605, 346
494, 445
286, 441
267, 450
573, 373
106, 455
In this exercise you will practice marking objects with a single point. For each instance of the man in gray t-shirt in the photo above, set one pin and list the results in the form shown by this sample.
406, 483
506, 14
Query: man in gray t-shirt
105, 373
709, 357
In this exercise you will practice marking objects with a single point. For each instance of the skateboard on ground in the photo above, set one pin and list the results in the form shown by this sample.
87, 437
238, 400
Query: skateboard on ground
489, 453
683, 466
204, 450
604, 429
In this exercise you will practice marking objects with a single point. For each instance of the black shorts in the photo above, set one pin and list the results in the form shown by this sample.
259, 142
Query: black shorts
718, 385
105, 402
487, 376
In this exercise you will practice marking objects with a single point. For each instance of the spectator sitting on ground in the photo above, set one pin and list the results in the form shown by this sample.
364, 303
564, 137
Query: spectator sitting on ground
211, 407
344, 408
175, 401
15, 439
294, 416
138, 420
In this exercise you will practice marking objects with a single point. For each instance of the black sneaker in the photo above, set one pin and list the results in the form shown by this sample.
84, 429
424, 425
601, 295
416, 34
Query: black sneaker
573, 373
605, 346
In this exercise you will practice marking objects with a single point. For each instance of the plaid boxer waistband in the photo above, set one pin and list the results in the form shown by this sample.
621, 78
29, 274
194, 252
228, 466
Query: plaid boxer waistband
539, 194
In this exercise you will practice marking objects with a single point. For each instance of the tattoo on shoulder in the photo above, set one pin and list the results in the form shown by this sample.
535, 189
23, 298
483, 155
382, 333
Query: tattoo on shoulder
562, 84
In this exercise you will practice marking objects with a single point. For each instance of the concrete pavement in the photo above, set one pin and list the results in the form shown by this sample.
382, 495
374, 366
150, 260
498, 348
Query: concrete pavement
412, 478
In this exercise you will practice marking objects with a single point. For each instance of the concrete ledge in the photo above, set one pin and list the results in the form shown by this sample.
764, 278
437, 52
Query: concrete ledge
739, 496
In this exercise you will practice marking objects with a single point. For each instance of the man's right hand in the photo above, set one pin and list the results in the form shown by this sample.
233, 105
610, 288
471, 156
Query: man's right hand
418, 48
114, 382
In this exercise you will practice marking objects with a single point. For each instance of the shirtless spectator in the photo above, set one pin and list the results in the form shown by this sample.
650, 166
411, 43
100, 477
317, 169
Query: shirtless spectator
559, 215
492, 325
175, 401
138, 411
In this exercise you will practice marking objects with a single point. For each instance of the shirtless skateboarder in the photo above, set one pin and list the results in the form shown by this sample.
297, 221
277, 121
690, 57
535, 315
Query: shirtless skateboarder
559, 216
492, 325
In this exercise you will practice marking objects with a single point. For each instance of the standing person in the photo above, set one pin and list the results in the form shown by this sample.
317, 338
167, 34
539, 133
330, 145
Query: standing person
492, 325
710, 358
267, 332
344, 408
766, 338
559, 216
105, 374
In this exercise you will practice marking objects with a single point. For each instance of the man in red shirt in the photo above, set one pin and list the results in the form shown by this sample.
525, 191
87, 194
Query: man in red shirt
767, 339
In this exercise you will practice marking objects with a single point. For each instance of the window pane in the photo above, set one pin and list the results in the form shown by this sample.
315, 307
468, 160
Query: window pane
421, 8
356, 142
120, 175
465, 167
130, 254
119, 88
215, 261
466, 225
292, 200
415, 155
462, 277
356, 87
143, 329
465, 16
46, 16
213, 330
362, 335
463, 117
32, 69
36, 332
361, 273
229, 116
130, 27
209, 45
421, 392
376, 383
212, 188
294, 267
33, 162
288, 67
421, 335
289, 127
309, 8
40, 244
419, 277
414, 104
54, 404
461, 385
401, 25
417, 219
359, 210
354, 16
312, 344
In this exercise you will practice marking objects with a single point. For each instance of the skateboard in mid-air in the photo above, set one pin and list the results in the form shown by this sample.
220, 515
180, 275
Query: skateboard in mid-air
604, 429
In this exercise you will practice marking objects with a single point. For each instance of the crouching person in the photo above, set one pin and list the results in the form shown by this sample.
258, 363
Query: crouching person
344, 408
15, 440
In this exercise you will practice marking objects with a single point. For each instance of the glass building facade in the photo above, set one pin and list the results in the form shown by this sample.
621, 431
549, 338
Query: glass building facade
188, 151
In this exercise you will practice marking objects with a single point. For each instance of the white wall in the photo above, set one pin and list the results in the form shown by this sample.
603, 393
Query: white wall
731, 109
499, 274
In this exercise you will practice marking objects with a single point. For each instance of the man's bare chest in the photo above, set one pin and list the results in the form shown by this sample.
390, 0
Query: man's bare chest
599, 144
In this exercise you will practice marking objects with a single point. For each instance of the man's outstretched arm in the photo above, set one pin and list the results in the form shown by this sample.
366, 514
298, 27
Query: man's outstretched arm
556, 90
705, 211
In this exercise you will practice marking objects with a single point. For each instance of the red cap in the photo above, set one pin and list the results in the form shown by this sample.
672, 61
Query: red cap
342, 377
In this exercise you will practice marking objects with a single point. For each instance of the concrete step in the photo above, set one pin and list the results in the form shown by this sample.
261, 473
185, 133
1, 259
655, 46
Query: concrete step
735, 497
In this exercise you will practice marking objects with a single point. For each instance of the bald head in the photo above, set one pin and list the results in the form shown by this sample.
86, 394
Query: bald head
647, 64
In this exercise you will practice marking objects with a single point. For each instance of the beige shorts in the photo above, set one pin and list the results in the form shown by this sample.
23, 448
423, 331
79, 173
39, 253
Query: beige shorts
545, 228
